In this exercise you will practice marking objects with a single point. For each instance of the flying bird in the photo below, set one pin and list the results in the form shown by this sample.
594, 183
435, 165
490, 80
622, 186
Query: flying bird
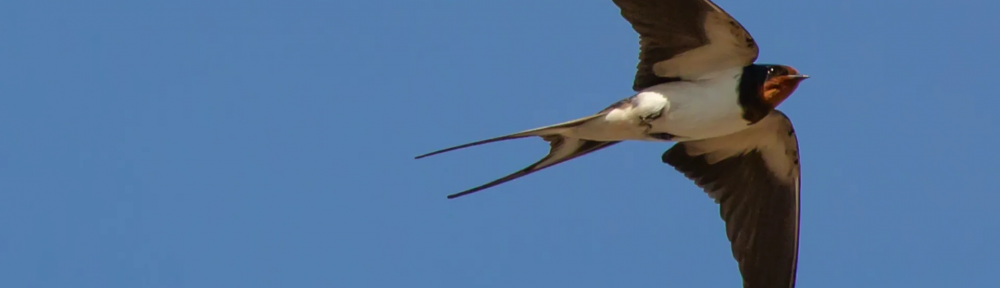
697, 85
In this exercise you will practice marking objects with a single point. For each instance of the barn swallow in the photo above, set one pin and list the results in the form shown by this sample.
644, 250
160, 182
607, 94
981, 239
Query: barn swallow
697, 85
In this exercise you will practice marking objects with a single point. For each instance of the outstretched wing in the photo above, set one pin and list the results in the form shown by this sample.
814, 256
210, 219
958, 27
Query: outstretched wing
685, 39
754, 175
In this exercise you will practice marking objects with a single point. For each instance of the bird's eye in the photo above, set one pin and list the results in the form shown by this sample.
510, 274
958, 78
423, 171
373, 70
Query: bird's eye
774, 71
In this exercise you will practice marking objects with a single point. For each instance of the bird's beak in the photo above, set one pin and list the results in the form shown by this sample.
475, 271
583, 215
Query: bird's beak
798, 76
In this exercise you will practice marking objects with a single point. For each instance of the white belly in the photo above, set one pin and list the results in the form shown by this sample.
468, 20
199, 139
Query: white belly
699, 110
688, 111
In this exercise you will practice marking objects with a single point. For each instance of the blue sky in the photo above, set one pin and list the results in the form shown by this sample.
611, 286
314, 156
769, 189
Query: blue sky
271, 143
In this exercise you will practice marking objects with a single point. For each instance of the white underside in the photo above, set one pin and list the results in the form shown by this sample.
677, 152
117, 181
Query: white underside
691, 110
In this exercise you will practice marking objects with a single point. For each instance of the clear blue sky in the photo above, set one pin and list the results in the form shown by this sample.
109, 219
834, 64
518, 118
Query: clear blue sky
270, 144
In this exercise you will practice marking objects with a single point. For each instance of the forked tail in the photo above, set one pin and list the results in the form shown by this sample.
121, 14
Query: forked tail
561, 149
541, 131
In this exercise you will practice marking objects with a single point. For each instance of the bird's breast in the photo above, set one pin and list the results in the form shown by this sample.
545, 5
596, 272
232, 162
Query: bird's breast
699, 110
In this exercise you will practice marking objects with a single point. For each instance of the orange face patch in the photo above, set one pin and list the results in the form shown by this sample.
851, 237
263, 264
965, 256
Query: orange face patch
778, 88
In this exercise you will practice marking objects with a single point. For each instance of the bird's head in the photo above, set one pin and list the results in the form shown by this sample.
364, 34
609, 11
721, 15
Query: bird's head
780, 82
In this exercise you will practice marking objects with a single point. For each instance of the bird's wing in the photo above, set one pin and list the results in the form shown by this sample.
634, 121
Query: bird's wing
685, 39
754, 175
